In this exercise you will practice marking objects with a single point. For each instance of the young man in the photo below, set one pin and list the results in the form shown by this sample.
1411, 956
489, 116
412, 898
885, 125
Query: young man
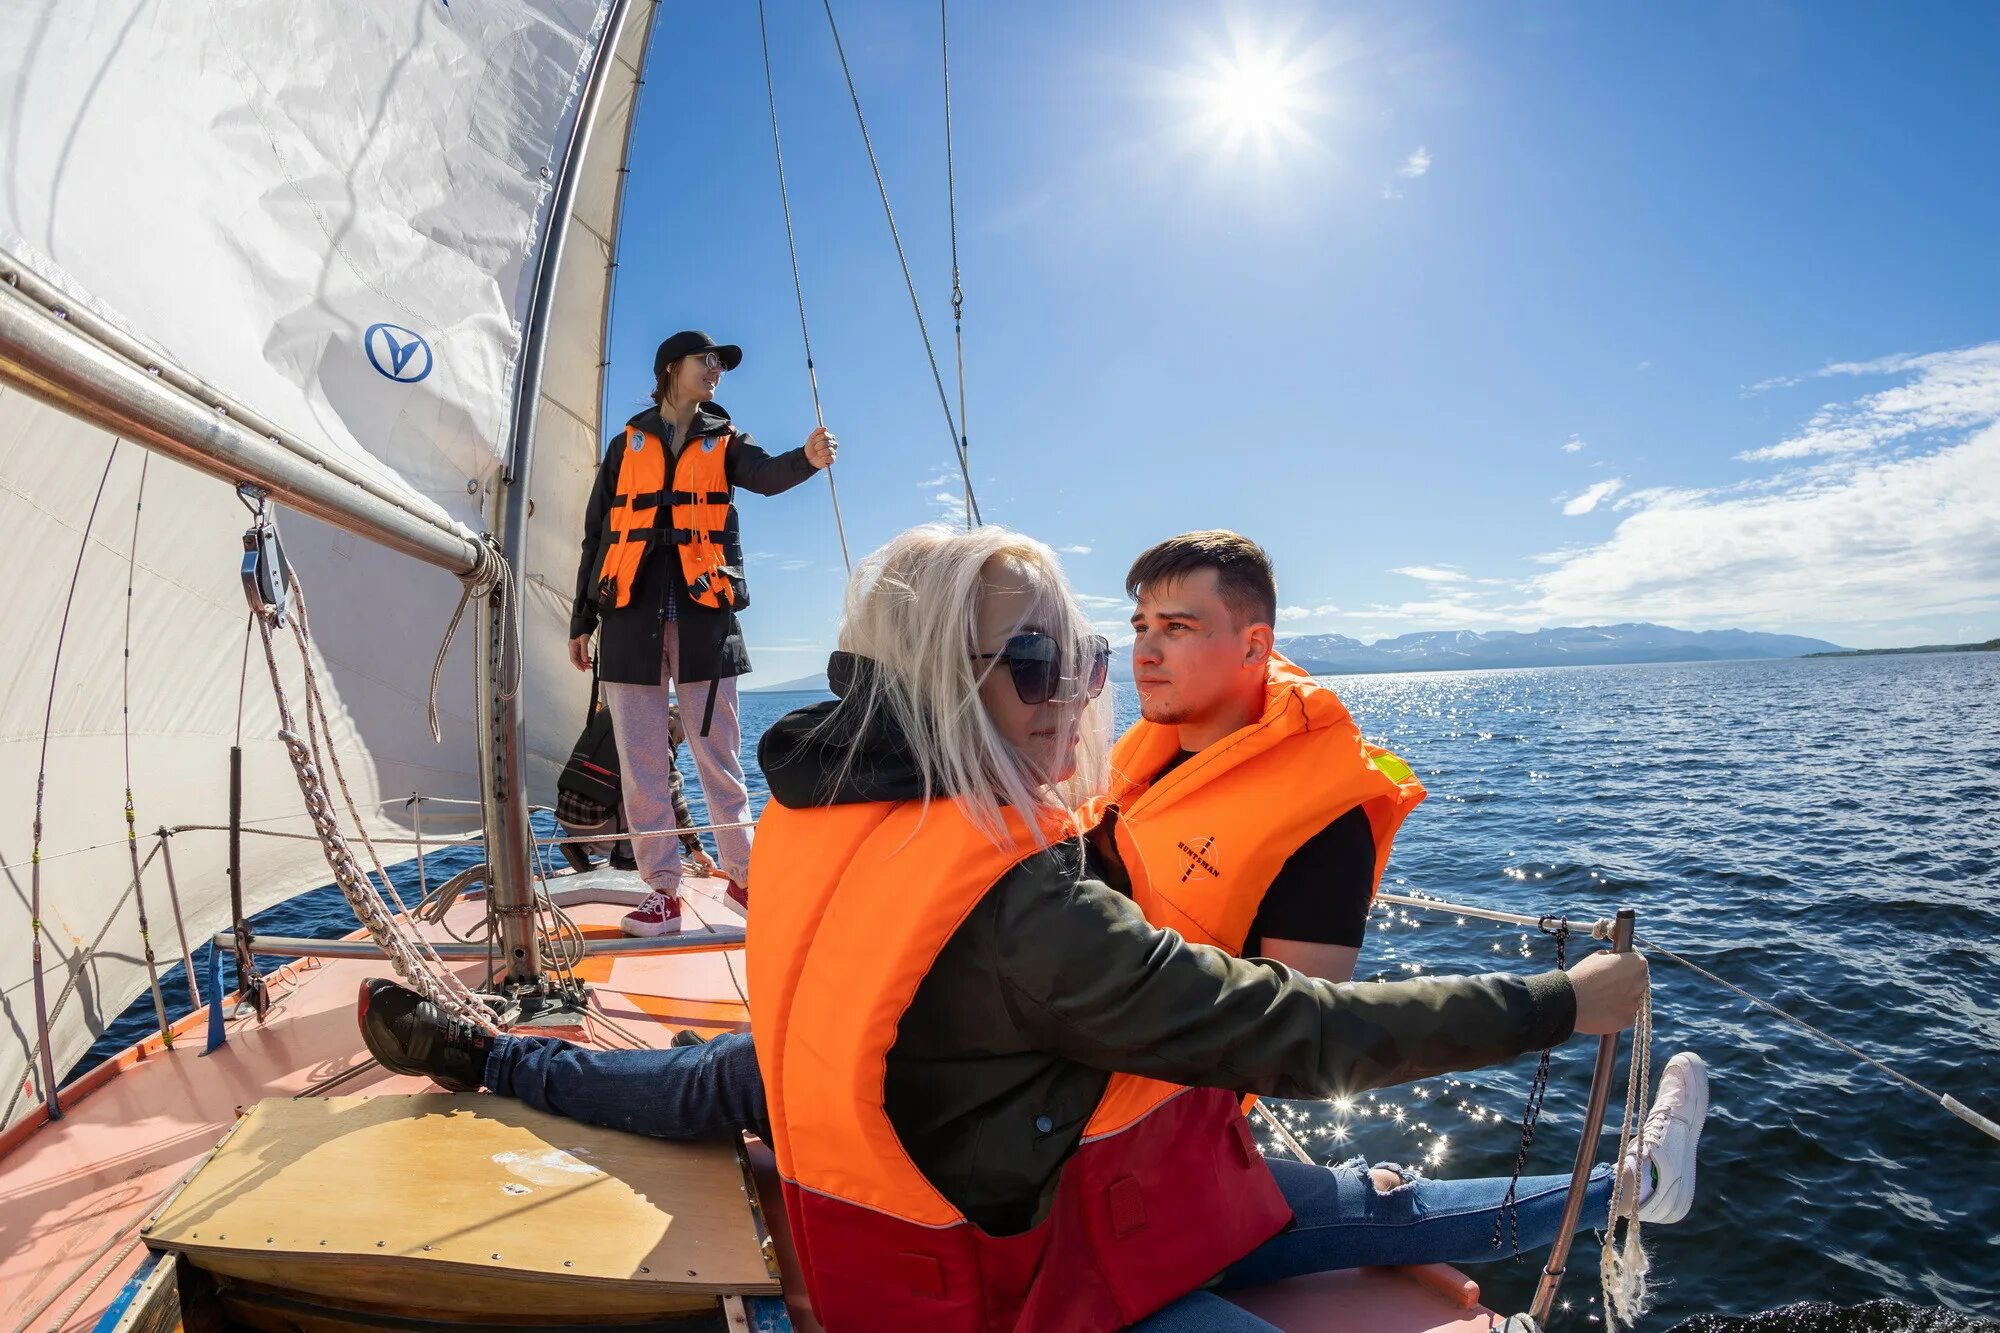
1227, 726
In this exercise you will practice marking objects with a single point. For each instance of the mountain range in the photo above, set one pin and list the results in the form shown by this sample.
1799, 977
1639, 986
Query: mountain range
1464, 649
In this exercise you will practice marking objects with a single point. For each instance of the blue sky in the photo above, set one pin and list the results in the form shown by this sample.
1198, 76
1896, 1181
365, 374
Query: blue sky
1477, 316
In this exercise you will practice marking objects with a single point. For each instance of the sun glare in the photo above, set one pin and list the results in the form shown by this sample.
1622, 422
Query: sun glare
1252, 97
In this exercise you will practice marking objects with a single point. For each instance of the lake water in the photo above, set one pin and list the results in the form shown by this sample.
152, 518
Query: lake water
1824, 833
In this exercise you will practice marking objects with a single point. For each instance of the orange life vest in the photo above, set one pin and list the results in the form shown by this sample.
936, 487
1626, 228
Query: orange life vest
1206, 840
1140, 1216
697, 513
1203, 842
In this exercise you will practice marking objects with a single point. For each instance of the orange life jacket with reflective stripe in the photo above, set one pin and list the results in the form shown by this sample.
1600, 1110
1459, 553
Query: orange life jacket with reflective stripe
1203, 842
697, 513
868, 895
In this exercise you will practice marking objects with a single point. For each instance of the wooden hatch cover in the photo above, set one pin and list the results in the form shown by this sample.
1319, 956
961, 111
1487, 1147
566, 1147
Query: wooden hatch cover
469, 1204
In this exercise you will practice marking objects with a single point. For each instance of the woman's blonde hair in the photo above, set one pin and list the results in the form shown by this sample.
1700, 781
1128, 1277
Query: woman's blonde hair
913, 609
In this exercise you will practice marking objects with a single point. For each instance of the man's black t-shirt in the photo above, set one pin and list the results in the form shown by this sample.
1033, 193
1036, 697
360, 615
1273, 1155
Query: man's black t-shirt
1322, 892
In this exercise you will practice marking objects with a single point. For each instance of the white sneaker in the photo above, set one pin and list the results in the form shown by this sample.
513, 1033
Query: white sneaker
1667, 1140
658, 915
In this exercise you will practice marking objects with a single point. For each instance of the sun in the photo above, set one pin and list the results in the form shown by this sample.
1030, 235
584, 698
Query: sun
1253, 98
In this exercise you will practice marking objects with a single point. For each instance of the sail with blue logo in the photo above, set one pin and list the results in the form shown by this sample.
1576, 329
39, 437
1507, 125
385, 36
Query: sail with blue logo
335, 216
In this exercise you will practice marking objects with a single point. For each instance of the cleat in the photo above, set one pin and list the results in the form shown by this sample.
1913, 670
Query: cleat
1668, 1138
658, 915
410, 1035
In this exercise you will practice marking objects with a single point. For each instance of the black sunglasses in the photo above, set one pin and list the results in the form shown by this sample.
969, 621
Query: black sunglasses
1035, 662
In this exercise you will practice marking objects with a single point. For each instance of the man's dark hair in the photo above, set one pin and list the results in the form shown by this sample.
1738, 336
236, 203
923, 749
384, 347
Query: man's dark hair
1242, 570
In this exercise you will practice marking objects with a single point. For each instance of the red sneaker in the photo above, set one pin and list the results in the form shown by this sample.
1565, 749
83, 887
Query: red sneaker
739, 897
658, 915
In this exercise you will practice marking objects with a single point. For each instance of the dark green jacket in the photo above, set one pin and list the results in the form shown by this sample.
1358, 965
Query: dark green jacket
1056, 981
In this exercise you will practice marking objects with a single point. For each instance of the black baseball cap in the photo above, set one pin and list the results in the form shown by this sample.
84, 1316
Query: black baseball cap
692, 342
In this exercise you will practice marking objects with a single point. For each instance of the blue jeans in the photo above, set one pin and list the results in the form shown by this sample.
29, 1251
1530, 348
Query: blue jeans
1340, 1220
710, 1091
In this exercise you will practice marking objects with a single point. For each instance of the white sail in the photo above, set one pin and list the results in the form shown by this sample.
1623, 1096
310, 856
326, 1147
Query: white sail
333, 213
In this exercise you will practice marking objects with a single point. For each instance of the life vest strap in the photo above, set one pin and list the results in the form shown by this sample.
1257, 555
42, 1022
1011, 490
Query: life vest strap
683, 536
699, 497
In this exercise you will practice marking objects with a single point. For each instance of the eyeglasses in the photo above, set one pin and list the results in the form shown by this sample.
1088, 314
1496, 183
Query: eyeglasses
711, 361
1035, 662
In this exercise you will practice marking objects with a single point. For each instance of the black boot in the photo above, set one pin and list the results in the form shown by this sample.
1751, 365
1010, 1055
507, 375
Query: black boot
410, 1035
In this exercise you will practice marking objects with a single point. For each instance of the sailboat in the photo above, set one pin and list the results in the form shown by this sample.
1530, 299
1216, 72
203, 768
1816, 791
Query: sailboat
324, 288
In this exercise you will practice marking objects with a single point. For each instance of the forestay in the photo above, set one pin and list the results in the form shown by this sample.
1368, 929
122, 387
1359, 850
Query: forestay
332, 212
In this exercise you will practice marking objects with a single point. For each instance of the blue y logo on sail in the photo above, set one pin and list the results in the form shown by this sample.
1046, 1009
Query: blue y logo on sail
397, 353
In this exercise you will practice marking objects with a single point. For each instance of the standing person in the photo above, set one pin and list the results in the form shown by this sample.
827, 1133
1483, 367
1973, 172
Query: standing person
660, 582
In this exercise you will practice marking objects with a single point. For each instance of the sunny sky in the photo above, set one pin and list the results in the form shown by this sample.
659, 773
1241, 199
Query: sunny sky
1476, 315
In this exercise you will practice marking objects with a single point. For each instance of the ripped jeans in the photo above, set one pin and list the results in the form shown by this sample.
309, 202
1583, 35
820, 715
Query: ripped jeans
1340, 1220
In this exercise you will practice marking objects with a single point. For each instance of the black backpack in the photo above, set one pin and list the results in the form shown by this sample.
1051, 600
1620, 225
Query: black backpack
592, 770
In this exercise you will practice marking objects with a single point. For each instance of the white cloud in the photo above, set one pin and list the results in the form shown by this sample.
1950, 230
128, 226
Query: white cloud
1432, 573
1416, 164
1288, 614
1099, 603
1073, 550
1574, 445
1592, 496
1950, 391
950, 506
1876, 542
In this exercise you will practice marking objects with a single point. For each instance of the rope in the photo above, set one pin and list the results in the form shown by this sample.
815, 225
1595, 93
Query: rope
951, 211
798, 287
437, 665
1622, 1263
972, 516
125, 727
408, 952
77, 973
41, 789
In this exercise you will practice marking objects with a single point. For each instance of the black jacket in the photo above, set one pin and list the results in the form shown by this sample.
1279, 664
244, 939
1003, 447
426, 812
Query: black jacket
1056, 980
711, 642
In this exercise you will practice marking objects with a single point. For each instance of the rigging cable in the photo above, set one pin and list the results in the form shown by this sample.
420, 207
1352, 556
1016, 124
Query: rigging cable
49, 1098
798, 287
1601, 930
972, 516
957, 289
125, 723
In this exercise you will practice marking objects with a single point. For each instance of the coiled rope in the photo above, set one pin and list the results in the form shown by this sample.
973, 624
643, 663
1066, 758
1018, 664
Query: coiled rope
1622, 1262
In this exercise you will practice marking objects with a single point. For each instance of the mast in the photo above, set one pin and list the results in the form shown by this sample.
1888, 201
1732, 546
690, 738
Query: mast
503, 786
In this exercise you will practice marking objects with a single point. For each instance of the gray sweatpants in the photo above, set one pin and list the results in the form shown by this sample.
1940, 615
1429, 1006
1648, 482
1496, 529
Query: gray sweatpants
646, 756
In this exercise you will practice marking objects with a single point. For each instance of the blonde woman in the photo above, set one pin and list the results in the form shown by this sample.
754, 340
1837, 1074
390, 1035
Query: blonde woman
961, 1014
